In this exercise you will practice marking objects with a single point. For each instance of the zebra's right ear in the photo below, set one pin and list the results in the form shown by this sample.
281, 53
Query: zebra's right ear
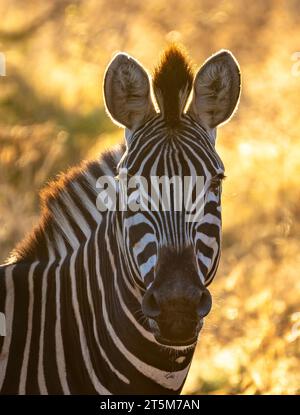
127, 93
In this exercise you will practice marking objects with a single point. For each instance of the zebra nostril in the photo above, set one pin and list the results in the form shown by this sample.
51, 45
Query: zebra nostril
150, 306
205, 304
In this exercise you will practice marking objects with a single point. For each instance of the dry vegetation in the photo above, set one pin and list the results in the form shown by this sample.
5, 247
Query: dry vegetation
51, 116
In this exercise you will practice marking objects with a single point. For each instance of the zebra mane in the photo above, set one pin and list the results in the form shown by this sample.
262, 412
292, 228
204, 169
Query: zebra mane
60, 201
172, 83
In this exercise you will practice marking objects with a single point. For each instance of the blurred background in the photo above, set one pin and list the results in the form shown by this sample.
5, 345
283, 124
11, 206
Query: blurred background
52, 116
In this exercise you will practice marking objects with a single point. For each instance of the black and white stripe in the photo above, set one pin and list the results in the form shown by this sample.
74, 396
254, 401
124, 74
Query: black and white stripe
72, 291
73, 317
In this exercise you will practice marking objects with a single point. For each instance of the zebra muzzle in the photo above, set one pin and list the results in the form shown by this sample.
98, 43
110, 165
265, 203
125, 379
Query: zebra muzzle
176, 319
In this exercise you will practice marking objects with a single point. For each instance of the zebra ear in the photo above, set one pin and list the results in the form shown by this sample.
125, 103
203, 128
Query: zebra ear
216, 90
127, 93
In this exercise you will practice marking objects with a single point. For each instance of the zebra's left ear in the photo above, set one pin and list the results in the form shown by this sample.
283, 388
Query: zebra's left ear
127, 93
216, 90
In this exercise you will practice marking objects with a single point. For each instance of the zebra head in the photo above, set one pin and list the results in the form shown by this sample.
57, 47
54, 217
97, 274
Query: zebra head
170, 128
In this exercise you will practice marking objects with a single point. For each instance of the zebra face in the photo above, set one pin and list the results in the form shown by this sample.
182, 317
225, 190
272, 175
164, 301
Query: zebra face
172, 252
171, 257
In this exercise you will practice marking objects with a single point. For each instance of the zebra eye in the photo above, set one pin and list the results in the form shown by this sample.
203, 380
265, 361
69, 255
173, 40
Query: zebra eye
215, 186
215, 183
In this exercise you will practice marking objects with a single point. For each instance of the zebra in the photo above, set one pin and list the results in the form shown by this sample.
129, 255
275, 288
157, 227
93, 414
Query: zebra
112, 302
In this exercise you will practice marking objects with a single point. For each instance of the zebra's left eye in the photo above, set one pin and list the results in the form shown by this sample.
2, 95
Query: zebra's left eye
215, 186
215, 183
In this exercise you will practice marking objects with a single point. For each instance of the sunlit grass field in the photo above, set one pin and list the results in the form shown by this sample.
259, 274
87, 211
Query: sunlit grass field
52, 116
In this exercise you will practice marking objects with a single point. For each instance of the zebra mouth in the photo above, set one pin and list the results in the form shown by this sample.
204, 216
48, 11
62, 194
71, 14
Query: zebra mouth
167, 342
175, 340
